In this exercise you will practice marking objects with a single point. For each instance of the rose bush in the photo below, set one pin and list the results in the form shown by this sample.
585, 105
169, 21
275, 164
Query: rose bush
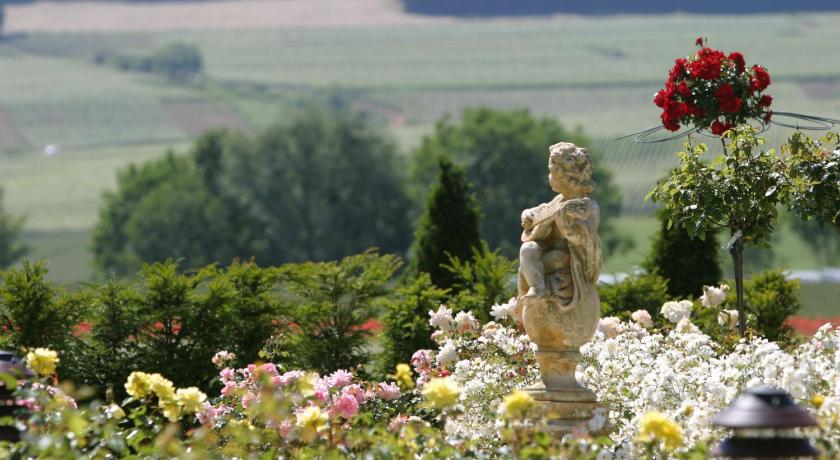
463, 399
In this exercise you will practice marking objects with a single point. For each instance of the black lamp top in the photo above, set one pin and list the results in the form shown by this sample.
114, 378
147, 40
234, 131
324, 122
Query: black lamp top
11, 364
764, 407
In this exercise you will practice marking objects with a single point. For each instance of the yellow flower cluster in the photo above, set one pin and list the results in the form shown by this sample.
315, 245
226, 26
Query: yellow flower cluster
404, 378
172, 403
311, 421
517, 404
42, 361
656, 426
441, 393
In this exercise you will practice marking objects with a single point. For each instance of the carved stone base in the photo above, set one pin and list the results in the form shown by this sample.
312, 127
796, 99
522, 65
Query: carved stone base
563, 402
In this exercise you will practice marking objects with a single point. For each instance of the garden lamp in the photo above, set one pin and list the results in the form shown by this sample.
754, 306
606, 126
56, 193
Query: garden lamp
763, 419
12, 369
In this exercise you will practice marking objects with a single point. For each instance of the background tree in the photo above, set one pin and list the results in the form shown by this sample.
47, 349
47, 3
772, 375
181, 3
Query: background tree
448, 228
487, 278
321, 187
687, 263
324, 186
10, 227
505, 155
406, 322
329, 306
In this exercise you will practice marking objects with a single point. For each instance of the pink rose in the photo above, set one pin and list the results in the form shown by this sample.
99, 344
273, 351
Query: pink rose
340, 378
346, 406
388, 391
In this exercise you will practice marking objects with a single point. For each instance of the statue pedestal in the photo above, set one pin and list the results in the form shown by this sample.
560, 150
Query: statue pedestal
564, 403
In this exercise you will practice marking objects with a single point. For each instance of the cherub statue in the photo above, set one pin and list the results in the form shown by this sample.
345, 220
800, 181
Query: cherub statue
559, 264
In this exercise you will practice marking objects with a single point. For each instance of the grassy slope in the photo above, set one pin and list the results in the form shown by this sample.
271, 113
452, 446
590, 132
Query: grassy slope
599, 73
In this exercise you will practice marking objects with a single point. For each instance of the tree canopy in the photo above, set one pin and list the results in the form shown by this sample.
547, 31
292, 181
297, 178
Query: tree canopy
505, 155
324, 186
10, 227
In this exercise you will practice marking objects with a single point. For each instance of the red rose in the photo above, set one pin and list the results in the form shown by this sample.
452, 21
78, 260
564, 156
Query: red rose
698, 41
670, 123
719, 128
765, 101
707, 65
678, 71
760, 79
738, 59
767, 116
662, 97
696, 110
683, 90
725, 95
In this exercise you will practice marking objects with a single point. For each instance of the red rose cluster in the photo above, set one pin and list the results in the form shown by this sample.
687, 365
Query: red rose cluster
714, 91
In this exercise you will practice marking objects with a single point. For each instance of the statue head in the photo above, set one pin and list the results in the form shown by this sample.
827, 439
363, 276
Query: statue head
570, 170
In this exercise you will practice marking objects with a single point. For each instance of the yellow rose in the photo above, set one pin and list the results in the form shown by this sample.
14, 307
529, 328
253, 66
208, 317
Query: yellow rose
42, 361
404, 377
138, 385
171, 410
311, 421
517, 404
162, 387
190, 399
441, 393
817, 401
655, 426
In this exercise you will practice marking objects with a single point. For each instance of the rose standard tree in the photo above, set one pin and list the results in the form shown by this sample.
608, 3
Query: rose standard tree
738, 189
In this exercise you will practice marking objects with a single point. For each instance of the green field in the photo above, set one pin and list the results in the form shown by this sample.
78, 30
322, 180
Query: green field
597, 73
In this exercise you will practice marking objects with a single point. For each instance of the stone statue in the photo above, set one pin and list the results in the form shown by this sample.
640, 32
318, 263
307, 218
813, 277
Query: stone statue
557, 303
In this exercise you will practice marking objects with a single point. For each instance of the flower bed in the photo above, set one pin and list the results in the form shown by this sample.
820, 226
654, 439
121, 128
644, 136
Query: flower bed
662, 387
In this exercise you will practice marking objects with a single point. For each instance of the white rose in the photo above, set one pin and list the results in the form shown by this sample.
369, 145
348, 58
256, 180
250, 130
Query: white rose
502, 311
713, 296
728, 318
441, 319
447, 354
642, 317
609, 326
676, 311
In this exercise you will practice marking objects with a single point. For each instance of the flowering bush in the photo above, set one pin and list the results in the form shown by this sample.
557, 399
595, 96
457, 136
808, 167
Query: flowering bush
661, 387
715, 91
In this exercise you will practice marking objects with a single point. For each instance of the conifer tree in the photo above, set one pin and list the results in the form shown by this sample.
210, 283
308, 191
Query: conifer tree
688, 264
10, 228
449, 226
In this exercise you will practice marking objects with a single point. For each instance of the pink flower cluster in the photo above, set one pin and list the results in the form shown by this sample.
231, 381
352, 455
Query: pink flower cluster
336, 395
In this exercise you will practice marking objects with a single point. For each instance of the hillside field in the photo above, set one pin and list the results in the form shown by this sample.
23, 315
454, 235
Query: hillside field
598, 73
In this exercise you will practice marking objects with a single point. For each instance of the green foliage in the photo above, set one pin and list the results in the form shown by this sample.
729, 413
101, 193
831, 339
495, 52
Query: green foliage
771, 298
329, 304
485, 279
813, 171
738, 190
32, 313
166, 322
180, 219
821, 238
323, 187
10, 228
505, 154
687, 263
175, 61
112, 248
448, 228
105, 356
406, 322
635, 292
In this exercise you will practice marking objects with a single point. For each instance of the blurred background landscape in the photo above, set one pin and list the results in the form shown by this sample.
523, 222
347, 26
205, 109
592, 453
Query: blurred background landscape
85, 91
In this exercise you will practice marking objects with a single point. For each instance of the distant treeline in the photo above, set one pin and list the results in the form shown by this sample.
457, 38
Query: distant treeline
600, 7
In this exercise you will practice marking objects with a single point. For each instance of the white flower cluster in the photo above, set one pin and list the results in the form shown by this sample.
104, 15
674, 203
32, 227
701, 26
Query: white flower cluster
682, 373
